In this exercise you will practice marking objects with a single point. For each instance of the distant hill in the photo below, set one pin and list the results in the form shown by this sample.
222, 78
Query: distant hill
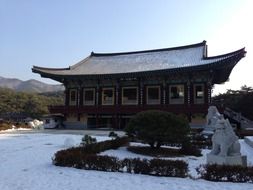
29, 85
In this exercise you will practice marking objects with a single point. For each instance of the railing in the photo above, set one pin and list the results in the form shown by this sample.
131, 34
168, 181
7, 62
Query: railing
237, 117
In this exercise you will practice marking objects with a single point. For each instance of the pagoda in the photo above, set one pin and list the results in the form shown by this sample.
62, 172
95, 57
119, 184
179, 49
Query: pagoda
107, 89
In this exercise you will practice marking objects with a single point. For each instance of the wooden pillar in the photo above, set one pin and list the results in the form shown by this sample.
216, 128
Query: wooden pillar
66, 96
97, 121
206, 98
140, 92
97, 94
77, 96
164, 92
209, 92
188, 93
80, 96
117, 93
190, 98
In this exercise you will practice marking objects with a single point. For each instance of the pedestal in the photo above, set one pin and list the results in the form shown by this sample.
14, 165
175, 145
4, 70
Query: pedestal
227, 160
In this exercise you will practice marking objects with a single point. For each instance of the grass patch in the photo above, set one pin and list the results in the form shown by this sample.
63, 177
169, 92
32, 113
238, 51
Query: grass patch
9, 125
161, 152
5, 126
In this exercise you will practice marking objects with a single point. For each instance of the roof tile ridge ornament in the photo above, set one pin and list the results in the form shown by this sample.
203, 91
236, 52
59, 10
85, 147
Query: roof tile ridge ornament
201, 44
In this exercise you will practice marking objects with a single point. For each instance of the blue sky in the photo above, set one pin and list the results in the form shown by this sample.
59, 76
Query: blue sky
59, 33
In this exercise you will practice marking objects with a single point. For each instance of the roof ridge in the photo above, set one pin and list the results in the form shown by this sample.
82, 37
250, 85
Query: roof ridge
153, 50
80, 62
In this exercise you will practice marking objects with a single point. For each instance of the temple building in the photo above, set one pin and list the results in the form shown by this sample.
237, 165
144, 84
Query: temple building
107, 89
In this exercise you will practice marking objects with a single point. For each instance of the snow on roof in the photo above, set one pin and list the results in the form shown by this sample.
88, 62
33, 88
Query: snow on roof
142, 61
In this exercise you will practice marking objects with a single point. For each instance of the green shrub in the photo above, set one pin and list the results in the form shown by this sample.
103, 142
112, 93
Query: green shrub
173, 168
71, 156
161, 152
100, 163
113, 134
189, 149
226, 173
156, 167
85, 157
158, 127
87, 139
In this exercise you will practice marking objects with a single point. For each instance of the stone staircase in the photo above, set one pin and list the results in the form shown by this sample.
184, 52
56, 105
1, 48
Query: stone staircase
236, 117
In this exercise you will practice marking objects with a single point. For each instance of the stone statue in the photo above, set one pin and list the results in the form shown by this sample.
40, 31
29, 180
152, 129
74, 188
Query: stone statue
212, 117
225, 146
224, 140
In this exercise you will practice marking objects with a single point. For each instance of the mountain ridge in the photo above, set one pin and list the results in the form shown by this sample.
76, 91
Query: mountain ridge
30, 85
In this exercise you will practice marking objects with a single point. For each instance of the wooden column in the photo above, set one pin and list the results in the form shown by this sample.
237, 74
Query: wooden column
209, 92
164, 92
117, 93
97, 121
66, 96
97, 94
206, 96
77, 96
141, 92
80, 96
188, 93
190, 98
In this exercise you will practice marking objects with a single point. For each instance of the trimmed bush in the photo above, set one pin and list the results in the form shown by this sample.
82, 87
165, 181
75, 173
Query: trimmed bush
156, 167
85, 158
158, 127
72, 156
113, 134
189, 149
161, 152
87, 139
226, 173
173, 168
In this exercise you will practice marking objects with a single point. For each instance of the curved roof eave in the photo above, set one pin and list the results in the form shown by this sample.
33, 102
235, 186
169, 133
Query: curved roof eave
219, 62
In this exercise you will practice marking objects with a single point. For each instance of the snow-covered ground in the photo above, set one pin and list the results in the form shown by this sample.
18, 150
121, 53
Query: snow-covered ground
25, 164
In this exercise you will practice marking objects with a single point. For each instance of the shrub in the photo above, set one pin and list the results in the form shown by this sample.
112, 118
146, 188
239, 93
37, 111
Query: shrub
113, 134
100, 163
87, 139
189, 149
156, 167
140, 166
85, 158
72, 156
226, 173
158, 127
173, 168
161, 152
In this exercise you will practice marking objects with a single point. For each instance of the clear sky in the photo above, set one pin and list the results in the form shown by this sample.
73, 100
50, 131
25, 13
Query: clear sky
59, 33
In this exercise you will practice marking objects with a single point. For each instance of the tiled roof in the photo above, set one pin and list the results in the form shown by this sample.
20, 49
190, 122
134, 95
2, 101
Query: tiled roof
142, 61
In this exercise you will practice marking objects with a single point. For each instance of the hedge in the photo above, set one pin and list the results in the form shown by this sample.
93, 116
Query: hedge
85, 158
155, 167
226, 173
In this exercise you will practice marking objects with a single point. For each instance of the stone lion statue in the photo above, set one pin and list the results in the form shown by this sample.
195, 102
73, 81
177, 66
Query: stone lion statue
224, 140
212, 116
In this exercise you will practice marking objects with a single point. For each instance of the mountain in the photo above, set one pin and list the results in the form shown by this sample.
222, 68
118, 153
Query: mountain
29, 85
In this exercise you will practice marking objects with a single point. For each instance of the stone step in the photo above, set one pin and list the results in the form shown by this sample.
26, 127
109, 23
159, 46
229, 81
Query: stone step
249, 140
